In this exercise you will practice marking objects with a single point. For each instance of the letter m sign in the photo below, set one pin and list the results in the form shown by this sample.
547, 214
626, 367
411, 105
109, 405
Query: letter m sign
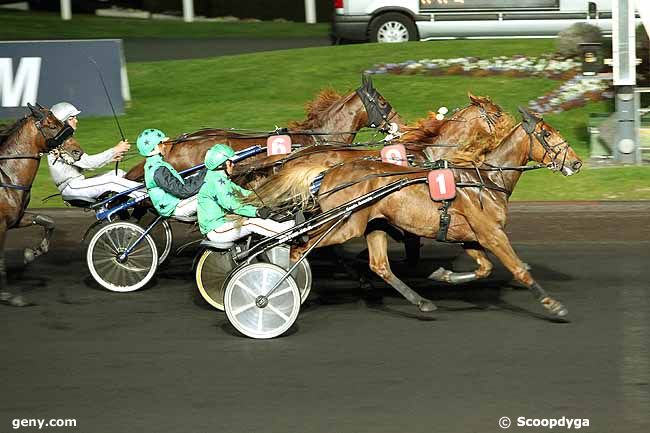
19, 89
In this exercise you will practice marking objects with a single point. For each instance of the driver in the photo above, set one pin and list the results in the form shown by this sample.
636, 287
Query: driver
170, 193
219, 197
70, 179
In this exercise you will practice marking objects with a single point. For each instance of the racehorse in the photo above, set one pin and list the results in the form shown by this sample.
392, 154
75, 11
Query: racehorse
21, 147
474, 129
471, 128
330, 118
478, 213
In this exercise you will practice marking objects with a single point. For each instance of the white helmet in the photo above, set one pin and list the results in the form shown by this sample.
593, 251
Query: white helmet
64, 110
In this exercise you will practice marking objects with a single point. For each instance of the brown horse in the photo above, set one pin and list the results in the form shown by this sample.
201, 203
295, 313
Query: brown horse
21, 147
331, 118
482, 123
468, 133
478, 213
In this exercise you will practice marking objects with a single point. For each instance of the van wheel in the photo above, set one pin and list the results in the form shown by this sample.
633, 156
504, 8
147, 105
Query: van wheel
393, 27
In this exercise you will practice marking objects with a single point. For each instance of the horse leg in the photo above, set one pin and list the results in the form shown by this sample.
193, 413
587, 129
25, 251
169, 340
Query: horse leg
5, 296
412, 248
47, 223
475, 251
378, 250
495, 239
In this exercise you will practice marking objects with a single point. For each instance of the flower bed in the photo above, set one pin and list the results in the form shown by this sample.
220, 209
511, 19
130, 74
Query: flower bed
574, 92
516, 66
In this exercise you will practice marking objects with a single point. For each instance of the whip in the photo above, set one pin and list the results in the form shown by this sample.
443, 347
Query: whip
117, 122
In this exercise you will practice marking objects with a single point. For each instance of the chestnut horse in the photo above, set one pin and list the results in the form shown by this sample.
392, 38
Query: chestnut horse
21, 147
478, 213
331, 118
482, 123
429, 139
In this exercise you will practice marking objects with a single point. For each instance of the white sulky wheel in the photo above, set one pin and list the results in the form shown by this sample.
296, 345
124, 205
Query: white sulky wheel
161, 234
211, 273
106, 246
214, 266
247, 308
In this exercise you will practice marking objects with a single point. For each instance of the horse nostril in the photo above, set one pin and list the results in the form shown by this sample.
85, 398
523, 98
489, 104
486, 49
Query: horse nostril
577, 165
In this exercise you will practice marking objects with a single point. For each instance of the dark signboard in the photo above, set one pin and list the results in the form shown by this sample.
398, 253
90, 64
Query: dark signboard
48, 72
440, 5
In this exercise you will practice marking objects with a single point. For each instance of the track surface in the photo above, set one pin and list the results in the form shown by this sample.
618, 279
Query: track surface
160, 360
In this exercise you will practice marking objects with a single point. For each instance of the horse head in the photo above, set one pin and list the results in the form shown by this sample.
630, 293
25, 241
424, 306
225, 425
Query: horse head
58, 136
547, 146
380, 111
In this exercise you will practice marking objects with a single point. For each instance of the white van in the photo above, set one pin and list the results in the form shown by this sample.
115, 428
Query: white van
410, 20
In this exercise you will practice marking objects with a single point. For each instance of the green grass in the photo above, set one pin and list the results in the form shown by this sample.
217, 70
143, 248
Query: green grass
262, 90
31, 25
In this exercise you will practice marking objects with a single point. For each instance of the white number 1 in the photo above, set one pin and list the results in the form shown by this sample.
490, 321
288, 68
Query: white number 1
441, 184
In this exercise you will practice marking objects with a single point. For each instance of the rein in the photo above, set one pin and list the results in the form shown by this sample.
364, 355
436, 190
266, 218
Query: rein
23, 156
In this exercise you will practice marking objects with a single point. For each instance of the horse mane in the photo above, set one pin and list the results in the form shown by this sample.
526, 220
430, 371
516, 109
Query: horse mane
289, 185
7, 130
323, 102
422, 129
475, 149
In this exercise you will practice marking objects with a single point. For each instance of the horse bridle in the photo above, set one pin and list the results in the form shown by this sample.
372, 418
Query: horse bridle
541, 136
53, 144
377, 115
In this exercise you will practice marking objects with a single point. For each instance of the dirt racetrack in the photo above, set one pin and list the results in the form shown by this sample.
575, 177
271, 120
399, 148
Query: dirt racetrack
161, 360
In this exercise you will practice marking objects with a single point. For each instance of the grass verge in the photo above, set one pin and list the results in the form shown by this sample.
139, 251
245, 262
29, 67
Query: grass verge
262, 90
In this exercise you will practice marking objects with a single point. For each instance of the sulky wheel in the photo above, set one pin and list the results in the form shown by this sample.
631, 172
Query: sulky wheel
106, 266
211, 273
250, 311
162, 235
302, 274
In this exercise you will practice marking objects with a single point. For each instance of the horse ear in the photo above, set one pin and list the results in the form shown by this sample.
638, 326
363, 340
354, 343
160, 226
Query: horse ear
35, 111
367, 81
472, 98
528, 119
40, 107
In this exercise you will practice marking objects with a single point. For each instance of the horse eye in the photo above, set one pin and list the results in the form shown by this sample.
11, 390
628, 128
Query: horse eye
547, 133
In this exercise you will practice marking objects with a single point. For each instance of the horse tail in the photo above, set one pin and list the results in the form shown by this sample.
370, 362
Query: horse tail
290, 185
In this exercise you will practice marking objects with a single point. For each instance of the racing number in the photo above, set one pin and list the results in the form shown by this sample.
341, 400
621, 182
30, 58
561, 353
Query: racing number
442, 185
394, 154
278, 145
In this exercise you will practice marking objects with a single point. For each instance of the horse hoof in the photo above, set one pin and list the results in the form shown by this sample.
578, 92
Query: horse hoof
19, 301
28, 255
441, 275
427, 306
555, 307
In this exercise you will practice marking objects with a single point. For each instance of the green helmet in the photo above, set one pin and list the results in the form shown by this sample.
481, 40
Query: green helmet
217, 155
148, 140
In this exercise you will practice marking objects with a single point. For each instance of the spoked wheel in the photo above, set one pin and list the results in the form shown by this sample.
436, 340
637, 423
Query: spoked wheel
104, 263
248, 308
211, 273
162, 235
302, 274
